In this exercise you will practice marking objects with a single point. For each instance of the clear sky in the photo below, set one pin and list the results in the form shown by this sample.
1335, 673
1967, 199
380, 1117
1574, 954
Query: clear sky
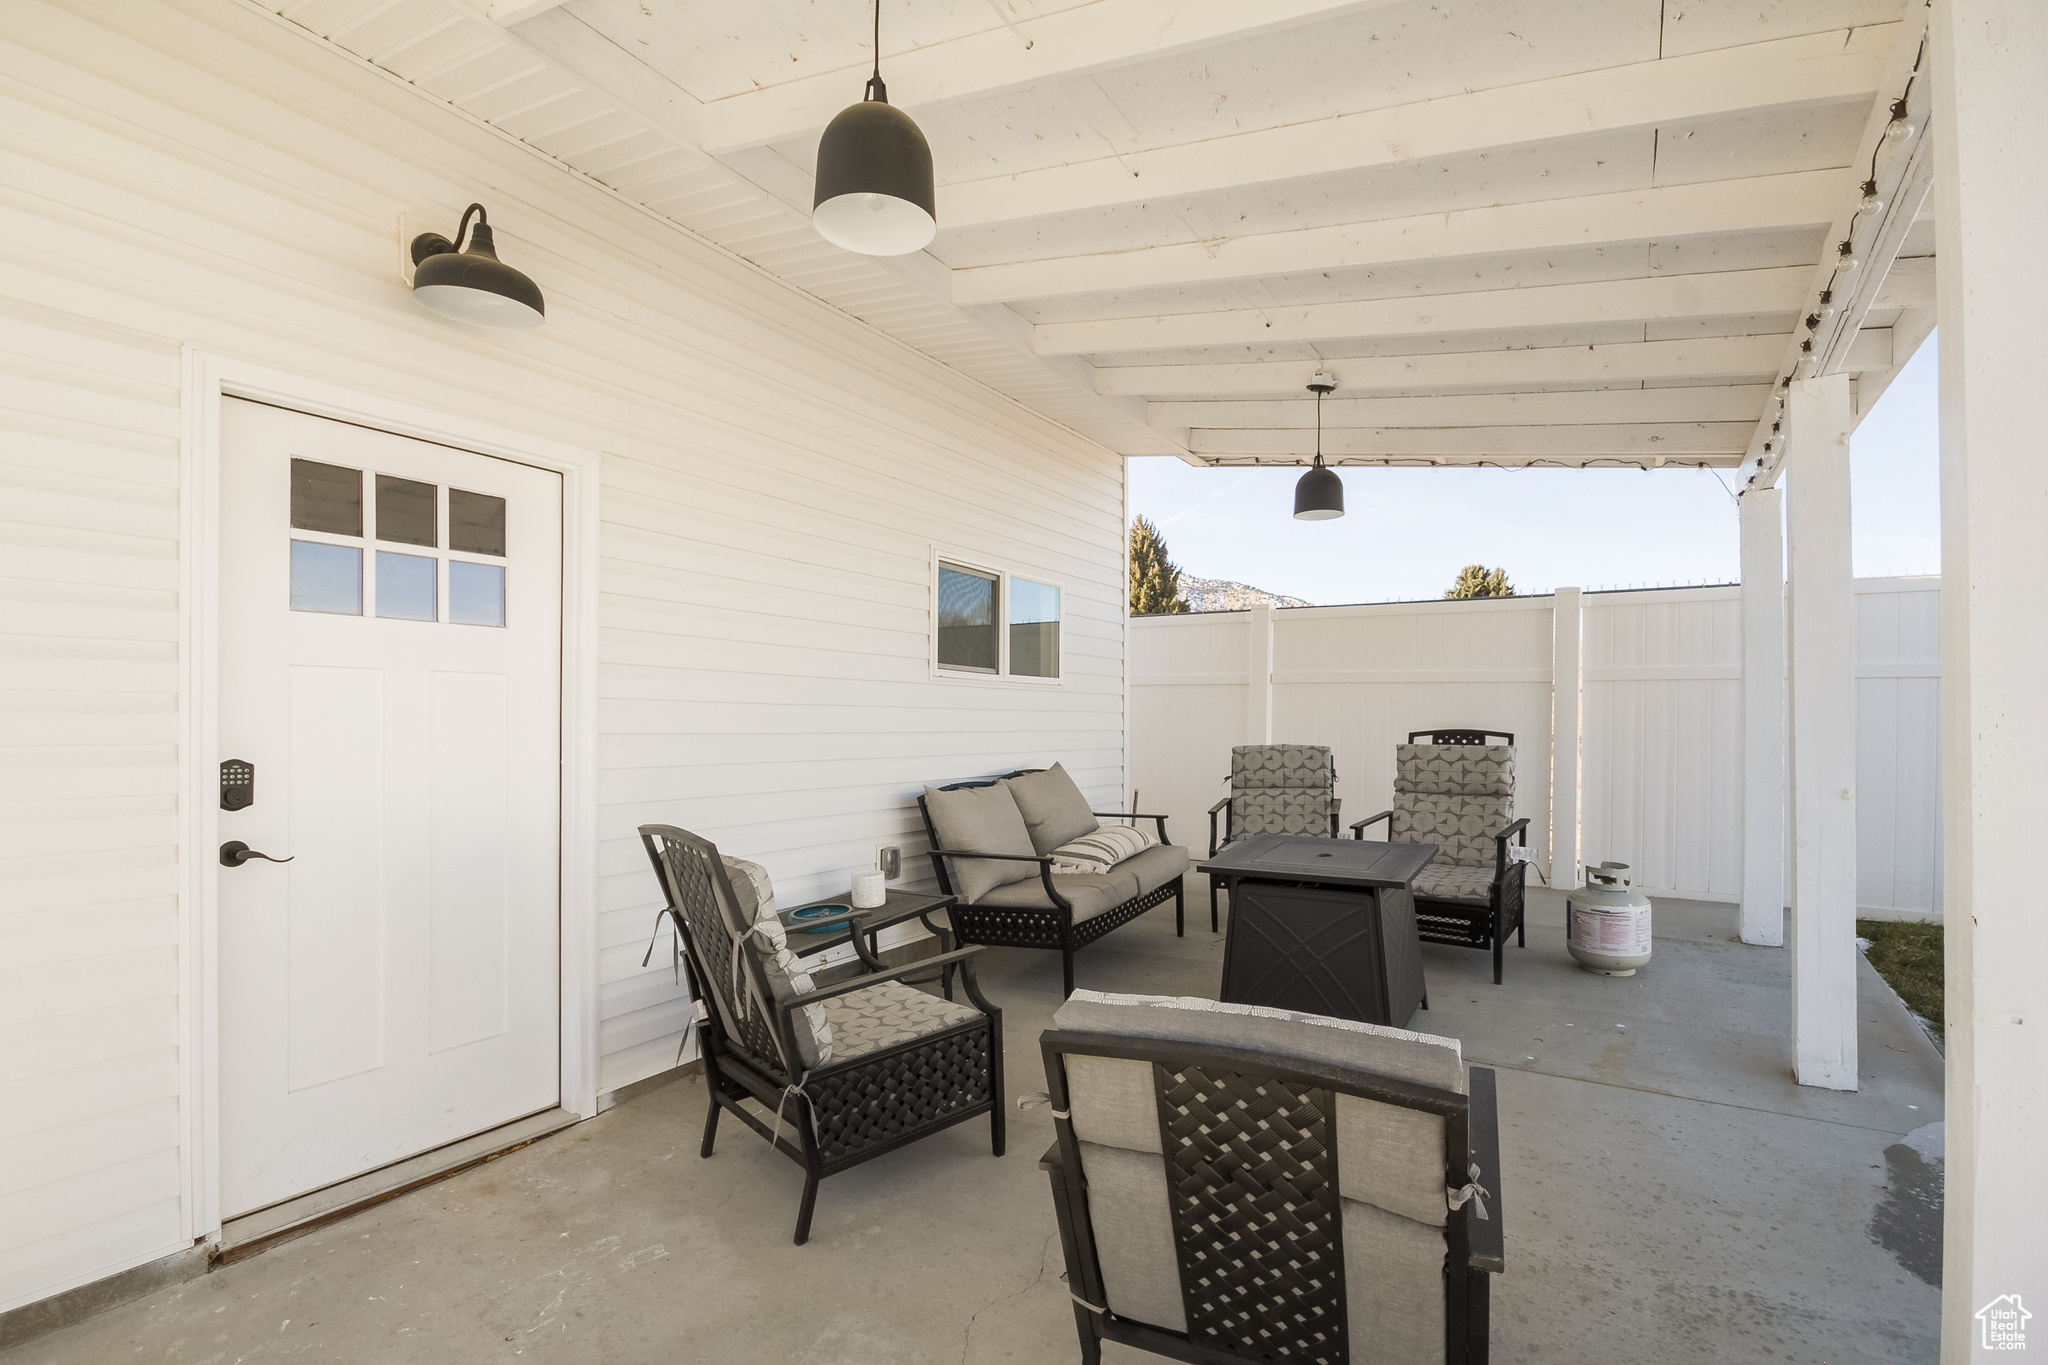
1407, 532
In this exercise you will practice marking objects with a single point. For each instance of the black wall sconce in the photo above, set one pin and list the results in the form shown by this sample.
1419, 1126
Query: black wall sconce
473, 286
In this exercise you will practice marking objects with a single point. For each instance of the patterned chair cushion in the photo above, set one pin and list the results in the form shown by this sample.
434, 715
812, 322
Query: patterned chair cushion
811, 1024
887, 1014
1442, 881
1265, 810
1101, 849
1461, 827
1456, 796
1455, 769
1280, 765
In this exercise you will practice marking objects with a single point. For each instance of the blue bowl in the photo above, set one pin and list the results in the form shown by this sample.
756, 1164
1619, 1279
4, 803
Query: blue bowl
803, 920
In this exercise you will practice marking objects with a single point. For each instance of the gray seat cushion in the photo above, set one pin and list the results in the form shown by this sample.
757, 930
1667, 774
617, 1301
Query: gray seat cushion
887, 1014
1442, 881
1052, 806
1154, 867
981, 820
1089, 893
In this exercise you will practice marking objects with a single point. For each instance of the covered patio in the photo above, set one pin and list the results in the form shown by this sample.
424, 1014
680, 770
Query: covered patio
1664, 1181
368, 593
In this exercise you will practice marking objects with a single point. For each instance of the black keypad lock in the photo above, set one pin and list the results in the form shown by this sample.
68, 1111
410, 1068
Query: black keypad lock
237, 784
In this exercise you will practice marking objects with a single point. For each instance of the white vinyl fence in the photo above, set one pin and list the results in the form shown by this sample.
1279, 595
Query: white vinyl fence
1661, 775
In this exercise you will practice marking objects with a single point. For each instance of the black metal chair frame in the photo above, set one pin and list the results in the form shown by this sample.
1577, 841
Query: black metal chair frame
1216, 844
1471, 926
1208, 1226
1007, 926
841, 1114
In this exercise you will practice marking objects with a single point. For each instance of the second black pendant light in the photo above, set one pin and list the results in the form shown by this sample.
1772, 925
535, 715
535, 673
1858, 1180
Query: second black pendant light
1319, 495
874, 181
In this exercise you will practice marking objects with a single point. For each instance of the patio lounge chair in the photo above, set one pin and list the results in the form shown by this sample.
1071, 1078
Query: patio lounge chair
1458, 792
1237, 1183
988, 839
846, 1072
1274, 789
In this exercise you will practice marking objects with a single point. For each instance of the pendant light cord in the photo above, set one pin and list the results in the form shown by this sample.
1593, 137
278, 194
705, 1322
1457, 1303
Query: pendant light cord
1319, 428
875, 89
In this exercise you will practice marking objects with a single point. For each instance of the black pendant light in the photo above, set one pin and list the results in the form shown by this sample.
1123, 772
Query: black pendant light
473, 285
1319, 495
874, 183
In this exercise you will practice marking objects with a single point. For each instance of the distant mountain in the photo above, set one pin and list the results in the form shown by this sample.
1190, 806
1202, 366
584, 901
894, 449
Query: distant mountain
1220, 594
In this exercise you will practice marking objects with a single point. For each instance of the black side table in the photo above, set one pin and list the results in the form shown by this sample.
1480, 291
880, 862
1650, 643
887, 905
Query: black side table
900, 906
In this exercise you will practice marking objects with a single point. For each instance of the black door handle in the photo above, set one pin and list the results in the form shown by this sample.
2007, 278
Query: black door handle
234, 853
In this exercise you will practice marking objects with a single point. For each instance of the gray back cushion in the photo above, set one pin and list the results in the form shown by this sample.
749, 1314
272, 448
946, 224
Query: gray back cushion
981, 820
779, 963
1456, 796
1053, 808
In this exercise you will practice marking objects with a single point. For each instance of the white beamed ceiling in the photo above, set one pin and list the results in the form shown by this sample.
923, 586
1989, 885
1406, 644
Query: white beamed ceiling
1517, 231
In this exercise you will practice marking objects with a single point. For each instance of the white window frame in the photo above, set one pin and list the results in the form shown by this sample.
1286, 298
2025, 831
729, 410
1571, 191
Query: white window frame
1002, 677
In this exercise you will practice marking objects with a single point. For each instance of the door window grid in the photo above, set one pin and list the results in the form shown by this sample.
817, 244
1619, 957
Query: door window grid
332, 578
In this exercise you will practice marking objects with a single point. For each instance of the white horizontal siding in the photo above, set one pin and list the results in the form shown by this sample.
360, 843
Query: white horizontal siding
774, 476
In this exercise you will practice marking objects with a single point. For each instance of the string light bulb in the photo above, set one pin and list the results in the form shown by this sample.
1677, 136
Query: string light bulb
1901, 127
1872, 201
1845, 257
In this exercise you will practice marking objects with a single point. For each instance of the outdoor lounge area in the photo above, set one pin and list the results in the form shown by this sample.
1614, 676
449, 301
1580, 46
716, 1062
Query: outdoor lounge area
607, 762
1664, 1179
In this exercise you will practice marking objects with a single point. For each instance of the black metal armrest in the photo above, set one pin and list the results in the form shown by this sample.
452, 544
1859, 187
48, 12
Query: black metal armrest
1002, 857
1484, 1237
1133, 816
793, 1001
1219, 805
1051, 1160
1224, 806
1520, 827
1358, 828
1501, 861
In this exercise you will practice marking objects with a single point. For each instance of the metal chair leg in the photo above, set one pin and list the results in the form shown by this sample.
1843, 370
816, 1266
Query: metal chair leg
1067, 970
803, 1211
710, 1119
1180, 915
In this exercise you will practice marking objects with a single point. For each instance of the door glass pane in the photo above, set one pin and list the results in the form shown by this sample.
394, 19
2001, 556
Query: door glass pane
476, 523
406, 590
1034, 629
327, 497
476, 594
327, 577
405, 511
967, 619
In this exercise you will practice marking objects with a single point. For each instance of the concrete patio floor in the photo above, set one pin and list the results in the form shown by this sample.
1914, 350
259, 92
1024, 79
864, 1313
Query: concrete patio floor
1669, 1193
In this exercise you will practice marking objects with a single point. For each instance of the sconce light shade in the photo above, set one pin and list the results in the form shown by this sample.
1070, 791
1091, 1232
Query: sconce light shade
473, 286
1319, 495
874, 184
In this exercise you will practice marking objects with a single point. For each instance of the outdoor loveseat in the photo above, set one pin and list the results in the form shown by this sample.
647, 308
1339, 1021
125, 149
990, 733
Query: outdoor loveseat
1034, 867
1239, 1183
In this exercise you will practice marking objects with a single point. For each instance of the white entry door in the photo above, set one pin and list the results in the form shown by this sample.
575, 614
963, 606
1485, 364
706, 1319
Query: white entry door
390, 647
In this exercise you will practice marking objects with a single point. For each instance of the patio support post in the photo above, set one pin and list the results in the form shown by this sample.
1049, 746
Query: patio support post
1763, 717
1258, 705
1990, 86
1823, 678
1567, 690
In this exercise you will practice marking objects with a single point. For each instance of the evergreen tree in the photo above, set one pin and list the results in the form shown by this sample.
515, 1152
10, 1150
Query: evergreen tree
1476, 580
1155, 590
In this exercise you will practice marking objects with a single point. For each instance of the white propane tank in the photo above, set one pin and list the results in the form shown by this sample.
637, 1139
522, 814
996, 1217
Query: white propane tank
1607, 922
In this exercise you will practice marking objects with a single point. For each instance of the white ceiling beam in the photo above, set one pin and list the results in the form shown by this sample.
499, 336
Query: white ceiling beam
564, 41
1730, 403
517, 11
1726, 293
1804, 199
1785, 73
1667, 439
1056, 47
1582, 367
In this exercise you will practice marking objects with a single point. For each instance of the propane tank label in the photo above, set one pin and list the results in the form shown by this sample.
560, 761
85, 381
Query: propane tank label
1621, 932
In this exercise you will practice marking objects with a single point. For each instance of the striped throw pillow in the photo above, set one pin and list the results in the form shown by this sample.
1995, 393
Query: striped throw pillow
1101, 850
